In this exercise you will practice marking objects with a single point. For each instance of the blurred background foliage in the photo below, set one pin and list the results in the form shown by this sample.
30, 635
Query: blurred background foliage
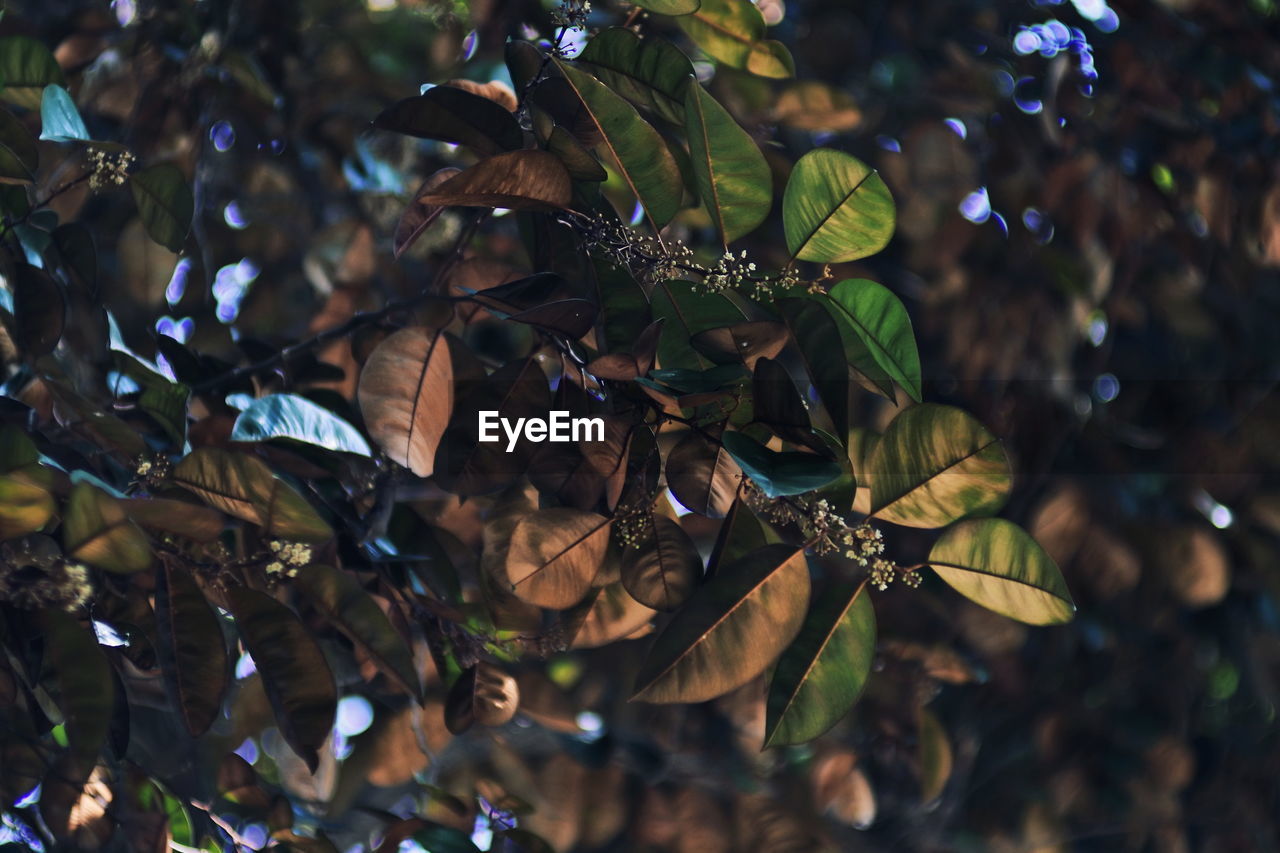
1089, 243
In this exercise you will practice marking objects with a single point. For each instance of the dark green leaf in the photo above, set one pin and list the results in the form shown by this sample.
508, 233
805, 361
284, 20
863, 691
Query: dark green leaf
192, 650
293, 417
670, 7
165, 204
294, 671
997, 564
39, 310
730, 629
778, 405
79, 676
19, 152
26, 67
822, 673
580, 163
456, 116
817, 336
651, 72
778, 474
686, 312
835, 209
880, 321
733, 179
741, 533
59, 119
741, 343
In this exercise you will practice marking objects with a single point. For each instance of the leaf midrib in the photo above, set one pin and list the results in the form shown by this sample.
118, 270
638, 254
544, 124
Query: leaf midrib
823, 224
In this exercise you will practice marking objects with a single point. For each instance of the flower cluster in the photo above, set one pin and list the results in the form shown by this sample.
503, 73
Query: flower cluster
731, 272
632, 525
883, 572
34, 575
289, 557
108, 168
571, 13
154, 470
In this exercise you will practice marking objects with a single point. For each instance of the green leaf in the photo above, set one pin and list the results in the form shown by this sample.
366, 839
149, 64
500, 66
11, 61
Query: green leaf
817, 335
243, 486
670, 7
998, 565
835, 209
778, 474
294, 672
293, 417
820, 675
639, 151
445, 839
660, 568
25, 507
880, 321
344, 603
26, 67
580, 163
686, 312
455, 116
729, 630
651, 72
732, 32
935, 465
161, 398
17, 450
734, 180
59, 119
741, 343
96, 530
165, 204
741, 533
779, 407
79, 676
192, 650
19, 151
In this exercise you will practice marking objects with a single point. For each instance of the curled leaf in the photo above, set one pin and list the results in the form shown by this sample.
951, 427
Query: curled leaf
483, 694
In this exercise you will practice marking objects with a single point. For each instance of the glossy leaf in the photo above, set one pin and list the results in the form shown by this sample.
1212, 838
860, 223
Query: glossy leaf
732, 31
242, 486
820, 675
642, 157
26, 67
417, 217
192, 650
294, 672
19, 151
59, 119
344, 603
77, 671
935, 465
729, 630
881, 322
650, 72
702, 475
555, 555
408, 390
25, 506
779, 473
455, 116
297, 418
97, 530
998, 565
734, 181
835, 209
165, 204
39, 310
483, 694
662, 566
517, 180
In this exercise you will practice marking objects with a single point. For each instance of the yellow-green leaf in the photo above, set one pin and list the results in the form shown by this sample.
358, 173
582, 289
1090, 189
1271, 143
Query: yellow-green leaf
243, 486
24, 506
26, 67
835, 209
98, 531
733, 178
998, 565
732, 32
935, 465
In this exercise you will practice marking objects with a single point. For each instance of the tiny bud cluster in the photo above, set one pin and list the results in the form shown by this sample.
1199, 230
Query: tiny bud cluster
153, 470
33, 577
632, 526
108, 169
571, 13
289, 557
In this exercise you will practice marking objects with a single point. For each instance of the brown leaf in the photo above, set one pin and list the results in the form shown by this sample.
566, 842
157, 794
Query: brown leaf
840, 789
662, 566
483, 694
555, 555
745, 342
517, 180
495, 90
702, 475
417, 217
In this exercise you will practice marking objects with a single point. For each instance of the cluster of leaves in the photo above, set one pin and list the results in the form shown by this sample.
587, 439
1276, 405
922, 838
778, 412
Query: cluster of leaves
314, 494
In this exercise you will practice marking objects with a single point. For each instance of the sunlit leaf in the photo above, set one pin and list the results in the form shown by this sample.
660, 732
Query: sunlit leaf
25, 506
670, 7
998, 565
779, 473
26, 67
641, 154
661, 567
881, 322
59, 119
297, 418
555, 555
19, 151
452, 115
344, 603
732, 31
483, 694
822, 673
835, 209
517, 180
734, 181
815, 106
729, 630
243, 486
165, 204
294, 672
407, 393
97, 530
935, 465
933, 753
702, 475
651, 72
192, 650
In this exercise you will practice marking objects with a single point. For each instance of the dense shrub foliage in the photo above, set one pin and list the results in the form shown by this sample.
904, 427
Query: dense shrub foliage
266, 577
